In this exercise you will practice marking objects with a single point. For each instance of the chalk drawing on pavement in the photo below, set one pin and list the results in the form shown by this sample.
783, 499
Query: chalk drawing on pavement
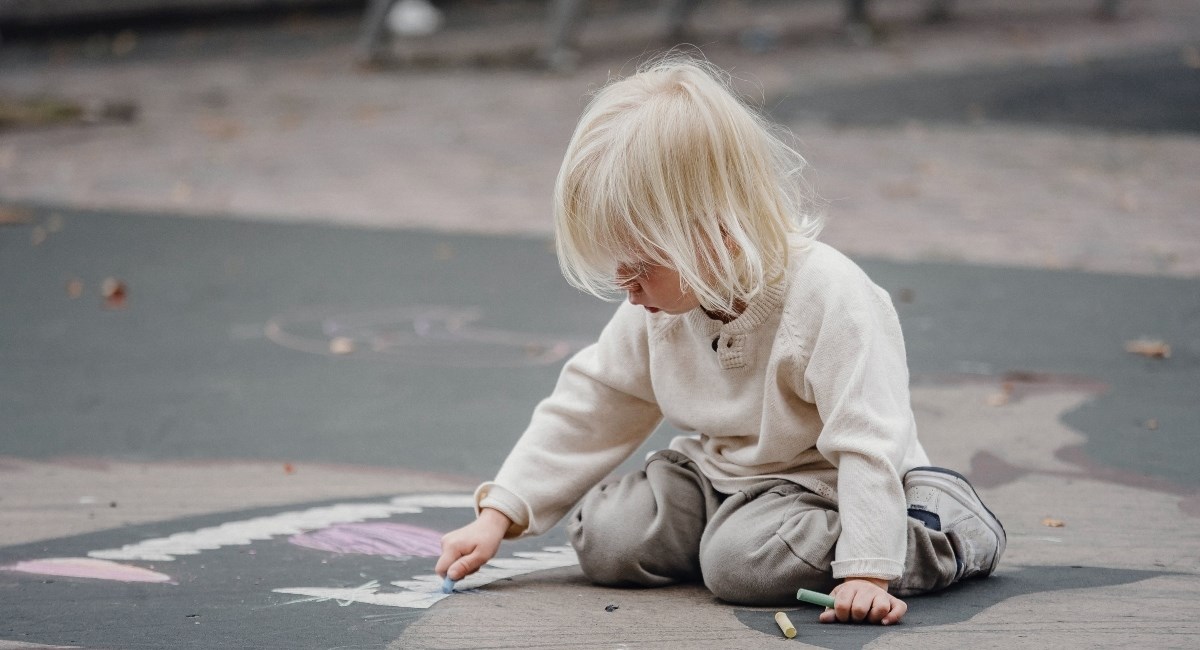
384, 539
424, 590
86, 567
241, 533
339, 529
423, 335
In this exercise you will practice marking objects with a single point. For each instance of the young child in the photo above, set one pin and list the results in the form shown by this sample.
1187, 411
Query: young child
776, 352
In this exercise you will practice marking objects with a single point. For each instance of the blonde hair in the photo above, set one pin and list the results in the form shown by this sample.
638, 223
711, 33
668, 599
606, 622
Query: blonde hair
669, 167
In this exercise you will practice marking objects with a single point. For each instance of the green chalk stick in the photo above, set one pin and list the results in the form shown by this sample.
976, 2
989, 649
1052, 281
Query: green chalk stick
815, 597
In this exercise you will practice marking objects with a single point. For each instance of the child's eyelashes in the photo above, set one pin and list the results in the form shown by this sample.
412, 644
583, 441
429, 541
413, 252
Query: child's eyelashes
628, 276
627, 283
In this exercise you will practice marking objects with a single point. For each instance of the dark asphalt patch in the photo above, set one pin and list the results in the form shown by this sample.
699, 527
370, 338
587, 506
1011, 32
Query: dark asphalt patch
186, 369
1151, 93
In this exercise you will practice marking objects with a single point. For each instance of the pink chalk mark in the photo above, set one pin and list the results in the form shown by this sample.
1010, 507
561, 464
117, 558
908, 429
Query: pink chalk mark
381, 538
86, 567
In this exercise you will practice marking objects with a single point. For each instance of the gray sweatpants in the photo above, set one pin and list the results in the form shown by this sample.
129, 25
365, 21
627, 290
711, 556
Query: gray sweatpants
666, 524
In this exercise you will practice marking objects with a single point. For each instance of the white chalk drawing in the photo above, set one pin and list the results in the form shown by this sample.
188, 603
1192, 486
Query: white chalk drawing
419, 592
241, 533
423, 335
423, 591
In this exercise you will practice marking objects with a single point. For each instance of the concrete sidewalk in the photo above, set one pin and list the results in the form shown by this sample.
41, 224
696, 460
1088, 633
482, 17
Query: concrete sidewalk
338, 306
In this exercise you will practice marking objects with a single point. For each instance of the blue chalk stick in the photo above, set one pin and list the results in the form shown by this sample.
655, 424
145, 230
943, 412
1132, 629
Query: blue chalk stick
447, 585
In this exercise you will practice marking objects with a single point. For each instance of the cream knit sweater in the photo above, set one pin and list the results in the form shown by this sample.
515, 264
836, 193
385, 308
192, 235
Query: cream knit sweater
808, 384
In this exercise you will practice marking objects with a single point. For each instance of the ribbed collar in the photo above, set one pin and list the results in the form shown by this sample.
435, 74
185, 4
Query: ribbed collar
766, 303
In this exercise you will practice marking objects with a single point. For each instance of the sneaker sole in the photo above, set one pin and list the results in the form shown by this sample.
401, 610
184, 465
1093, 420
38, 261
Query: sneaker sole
957, 486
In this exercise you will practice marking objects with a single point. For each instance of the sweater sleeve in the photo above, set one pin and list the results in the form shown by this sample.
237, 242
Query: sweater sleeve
600, 411
857, 375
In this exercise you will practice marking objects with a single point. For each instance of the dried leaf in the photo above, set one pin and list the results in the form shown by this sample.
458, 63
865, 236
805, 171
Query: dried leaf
1152, 348
1053, 523
289, 468
10, 216
114, 293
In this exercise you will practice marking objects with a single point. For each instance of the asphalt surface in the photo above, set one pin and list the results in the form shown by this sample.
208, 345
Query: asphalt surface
222, 348
1150, 92
227, 328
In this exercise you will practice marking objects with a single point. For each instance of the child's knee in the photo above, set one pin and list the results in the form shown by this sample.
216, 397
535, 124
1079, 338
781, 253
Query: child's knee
599, 540
617, 553
770, 575
767, 565
632, 532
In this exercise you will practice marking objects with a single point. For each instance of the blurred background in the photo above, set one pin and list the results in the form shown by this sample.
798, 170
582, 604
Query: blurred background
1042, 133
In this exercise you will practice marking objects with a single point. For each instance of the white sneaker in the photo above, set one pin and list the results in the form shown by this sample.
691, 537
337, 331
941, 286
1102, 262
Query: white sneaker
944, 500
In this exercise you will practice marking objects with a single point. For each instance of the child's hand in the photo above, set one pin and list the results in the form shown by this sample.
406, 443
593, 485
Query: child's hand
864, 599
468, 548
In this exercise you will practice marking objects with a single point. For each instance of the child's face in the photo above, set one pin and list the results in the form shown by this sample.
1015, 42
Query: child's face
656, 288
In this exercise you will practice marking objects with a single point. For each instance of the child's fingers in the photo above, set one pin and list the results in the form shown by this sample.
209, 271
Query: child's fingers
448, 557
881, 606
863, 605
844, 600
453, 548
899, 609
875, 606
466, 565
830, 614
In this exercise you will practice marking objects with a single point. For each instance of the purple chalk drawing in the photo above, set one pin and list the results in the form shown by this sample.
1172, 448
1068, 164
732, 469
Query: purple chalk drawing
385, 539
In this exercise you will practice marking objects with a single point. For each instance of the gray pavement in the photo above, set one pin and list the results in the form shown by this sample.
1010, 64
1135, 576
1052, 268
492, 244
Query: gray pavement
339, 306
